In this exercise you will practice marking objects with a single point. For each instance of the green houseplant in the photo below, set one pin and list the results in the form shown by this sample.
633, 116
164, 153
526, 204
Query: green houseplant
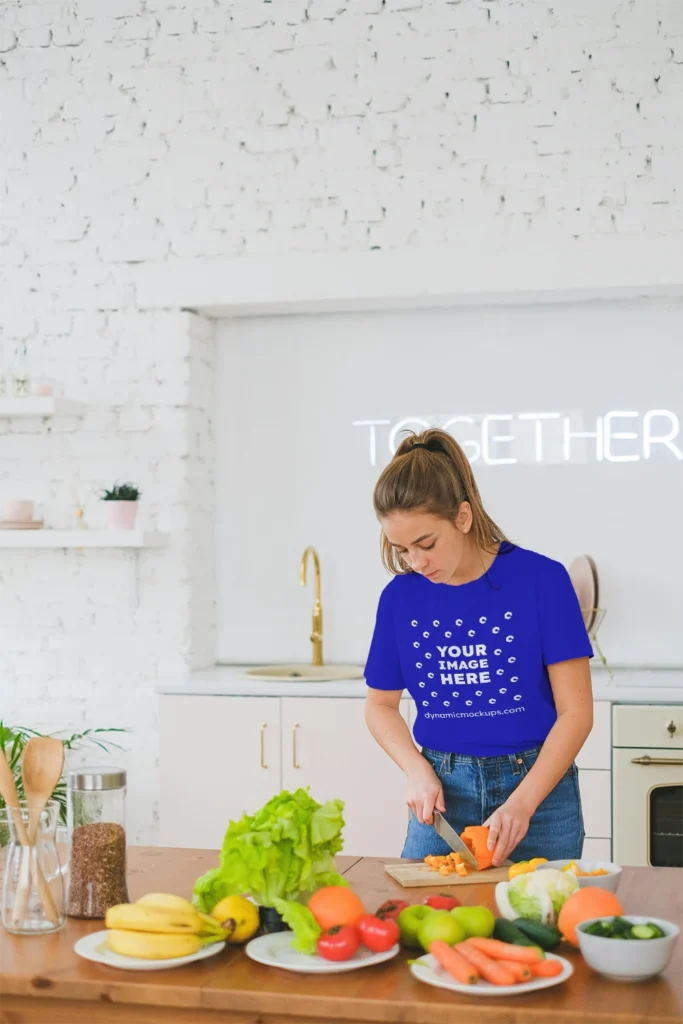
13, 740
122, 505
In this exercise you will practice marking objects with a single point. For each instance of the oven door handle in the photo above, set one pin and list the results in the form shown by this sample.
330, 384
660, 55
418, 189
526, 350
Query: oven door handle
646, 759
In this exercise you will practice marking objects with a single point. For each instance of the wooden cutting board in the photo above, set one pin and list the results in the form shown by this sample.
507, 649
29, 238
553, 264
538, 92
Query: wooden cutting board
411, 876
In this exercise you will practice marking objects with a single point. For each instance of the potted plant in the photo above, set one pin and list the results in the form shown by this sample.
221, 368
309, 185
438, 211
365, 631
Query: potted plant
14, 738
122, 506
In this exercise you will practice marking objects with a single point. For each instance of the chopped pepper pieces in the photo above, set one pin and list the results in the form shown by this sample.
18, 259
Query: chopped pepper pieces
576, 870
525, 867
450, 864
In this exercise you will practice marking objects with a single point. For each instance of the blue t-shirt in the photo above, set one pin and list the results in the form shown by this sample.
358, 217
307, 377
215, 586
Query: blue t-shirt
474, 656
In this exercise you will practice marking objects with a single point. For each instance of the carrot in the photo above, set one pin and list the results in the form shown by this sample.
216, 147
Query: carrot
457, 966
522, 972
505, 951
491, 970
546, 969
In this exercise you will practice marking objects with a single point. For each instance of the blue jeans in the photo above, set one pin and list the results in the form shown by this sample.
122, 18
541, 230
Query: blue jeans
474, 787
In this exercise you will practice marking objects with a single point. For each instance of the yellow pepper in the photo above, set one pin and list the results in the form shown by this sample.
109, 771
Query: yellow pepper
522, 868
525, 867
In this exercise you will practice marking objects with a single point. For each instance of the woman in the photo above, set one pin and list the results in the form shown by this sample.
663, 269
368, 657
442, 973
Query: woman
489, 640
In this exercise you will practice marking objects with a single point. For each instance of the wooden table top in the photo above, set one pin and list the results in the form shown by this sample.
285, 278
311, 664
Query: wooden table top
42, 981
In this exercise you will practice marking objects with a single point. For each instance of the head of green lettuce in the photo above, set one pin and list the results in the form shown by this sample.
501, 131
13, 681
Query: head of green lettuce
283, 852
279, 856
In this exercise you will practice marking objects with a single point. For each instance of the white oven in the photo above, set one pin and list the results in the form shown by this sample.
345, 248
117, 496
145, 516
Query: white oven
647, 784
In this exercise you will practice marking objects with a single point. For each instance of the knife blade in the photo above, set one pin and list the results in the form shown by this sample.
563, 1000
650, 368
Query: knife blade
453, 839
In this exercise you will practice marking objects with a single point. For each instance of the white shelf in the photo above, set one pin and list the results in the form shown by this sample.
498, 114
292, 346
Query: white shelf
40, 407
414, 278
82, 539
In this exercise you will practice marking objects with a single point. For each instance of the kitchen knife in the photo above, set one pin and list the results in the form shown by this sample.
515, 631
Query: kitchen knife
453, 839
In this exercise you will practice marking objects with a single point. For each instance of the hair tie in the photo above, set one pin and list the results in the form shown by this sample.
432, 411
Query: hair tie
419, 444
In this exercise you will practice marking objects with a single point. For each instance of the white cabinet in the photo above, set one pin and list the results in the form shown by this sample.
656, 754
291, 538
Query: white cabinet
597, 750
596, 801
597, 849
595, 777
220, 757
327, 746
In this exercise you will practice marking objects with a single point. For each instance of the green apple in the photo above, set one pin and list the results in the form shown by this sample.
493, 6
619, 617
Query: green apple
477, 921
409, 920
440, 925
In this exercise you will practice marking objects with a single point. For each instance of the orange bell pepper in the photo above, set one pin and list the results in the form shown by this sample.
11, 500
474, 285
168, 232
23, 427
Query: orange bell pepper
475, 838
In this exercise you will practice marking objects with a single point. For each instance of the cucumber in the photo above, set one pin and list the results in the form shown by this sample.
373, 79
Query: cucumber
620, 926
646, 931
506, 931
543, 935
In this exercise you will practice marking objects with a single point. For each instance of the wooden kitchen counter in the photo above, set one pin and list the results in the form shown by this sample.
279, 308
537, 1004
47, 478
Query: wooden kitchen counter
42, 981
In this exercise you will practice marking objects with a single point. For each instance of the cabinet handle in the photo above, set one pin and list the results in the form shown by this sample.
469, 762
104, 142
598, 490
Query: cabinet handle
295, 762
671, 728
646, 759
263, 745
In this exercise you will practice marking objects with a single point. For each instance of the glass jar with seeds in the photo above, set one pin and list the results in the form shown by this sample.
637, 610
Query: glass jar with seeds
96, 813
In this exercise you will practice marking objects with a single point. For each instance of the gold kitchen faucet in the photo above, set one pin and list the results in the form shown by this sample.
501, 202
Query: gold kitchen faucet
317, 626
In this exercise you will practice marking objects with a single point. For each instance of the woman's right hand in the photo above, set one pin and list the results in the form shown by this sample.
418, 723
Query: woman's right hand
424, 793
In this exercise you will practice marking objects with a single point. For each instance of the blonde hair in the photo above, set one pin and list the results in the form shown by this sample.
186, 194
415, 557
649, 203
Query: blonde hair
435, 478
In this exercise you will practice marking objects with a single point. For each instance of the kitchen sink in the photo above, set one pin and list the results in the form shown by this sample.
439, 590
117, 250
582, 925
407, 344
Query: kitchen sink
304, 673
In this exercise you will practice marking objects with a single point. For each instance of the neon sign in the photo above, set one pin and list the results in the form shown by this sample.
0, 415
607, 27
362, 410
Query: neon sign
548, 438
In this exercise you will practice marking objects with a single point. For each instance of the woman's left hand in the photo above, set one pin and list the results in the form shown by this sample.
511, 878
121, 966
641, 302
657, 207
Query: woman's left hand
507, 827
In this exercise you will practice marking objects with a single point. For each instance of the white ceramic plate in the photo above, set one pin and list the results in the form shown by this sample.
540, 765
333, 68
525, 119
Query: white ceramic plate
276, 951
92, 947
426, 969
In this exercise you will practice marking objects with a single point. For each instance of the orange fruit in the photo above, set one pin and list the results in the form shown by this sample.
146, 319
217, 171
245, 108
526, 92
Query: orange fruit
336, 905
582, 905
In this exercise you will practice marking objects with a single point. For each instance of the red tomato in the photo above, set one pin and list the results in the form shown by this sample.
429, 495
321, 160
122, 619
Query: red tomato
378, 934
390, 909
339, 943
441, 902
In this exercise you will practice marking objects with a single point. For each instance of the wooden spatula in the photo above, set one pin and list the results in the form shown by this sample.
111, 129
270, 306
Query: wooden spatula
41, 768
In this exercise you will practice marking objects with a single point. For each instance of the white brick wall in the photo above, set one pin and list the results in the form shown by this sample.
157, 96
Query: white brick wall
84, 635
152, 131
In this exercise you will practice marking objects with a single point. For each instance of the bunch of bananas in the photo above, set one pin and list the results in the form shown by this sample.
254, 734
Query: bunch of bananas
161, 926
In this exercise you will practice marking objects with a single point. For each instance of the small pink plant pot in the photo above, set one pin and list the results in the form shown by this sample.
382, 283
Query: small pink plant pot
121, 514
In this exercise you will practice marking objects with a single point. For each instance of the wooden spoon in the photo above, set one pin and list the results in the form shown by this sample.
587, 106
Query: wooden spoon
9, 794
42, 766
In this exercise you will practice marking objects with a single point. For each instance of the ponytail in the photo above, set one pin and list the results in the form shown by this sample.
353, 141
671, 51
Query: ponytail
431, 472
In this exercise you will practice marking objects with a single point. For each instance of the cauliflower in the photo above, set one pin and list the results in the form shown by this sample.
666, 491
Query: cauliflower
538, 896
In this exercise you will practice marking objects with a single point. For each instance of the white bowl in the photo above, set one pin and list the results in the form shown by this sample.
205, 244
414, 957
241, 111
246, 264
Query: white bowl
609, 882
628, 959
